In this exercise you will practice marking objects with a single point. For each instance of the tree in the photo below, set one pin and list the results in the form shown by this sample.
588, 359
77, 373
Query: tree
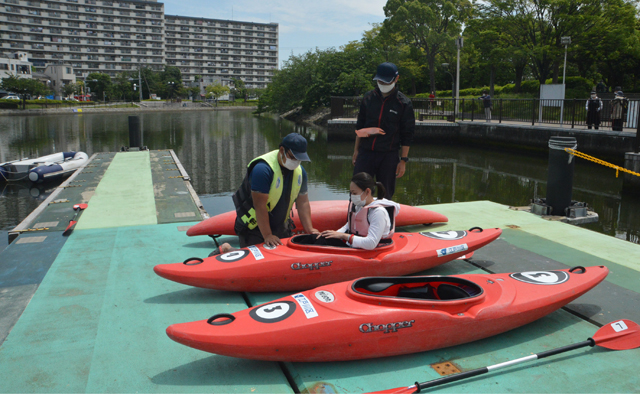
122, 87
194, 92
71, 89
215, 90
23, 87
99, 84
429, 25
239, 89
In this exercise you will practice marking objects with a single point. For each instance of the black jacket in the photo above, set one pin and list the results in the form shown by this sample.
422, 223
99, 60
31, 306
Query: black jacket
393, 114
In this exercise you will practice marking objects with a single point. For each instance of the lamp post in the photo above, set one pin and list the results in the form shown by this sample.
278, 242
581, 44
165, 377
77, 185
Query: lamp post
171, 85
564, 41
453, 85
459, 45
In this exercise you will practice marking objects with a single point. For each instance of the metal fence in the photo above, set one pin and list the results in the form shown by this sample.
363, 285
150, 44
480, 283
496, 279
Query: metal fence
567, 112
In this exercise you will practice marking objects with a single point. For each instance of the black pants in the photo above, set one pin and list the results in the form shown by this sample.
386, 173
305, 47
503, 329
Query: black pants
380, 165
254, 237
616, 124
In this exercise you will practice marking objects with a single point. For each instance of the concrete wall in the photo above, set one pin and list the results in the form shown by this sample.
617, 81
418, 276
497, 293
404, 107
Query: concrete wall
602, 143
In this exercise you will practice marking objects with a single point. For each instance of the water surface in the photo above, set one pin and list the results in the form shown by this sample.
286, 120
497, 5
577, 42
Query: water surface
215, 147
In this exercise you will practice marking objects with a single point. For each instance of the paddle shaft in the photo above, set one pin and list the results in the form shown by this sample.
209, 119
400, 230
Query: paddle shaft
483, 370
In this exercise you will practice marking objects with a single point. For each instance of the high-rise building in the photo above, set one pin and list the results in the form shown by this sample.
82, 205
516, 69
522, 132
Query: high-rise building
112, 36
222, 49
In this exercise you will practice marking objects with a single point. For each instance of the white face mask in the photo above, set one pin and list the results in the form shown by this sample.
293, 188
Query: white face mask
386, 88
357, 200
593, 96
290, 164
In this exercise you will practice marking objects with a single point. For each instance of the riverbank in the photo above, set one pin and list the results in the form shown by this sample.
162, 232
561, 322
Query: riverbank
170, 107
319, 117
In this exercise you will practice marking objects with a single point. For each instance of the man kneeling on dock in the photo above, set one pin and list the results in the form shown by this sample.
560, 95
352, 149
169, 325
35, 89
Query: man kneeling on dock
274, 181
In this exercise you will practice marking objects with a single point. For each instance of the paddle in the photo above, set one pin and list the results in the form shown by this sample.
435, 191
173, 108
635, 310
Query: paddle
72, 222
619, 335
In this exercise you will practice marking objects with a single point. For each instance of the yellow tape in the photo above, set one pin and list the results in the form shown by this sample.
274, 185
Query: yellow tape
599, 161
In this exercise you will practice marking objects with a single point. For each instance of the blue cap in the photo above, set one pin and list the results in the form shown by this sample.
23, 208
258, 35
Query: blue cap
386, 73
297, 144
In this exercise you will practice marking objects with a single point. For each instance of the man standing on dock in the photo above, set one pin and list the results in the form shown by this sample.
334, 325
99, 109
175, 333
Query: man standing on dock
391, 112
274, 181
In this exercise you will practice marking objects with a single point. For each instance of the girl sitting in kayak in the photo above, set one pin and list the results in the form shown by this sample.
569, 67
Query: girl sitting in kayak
369, 221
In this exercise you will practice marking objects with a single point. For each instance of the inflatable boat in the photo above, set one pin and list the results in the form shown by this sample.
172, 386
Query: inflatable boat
325, 215
387, 316
296, 265
43, 168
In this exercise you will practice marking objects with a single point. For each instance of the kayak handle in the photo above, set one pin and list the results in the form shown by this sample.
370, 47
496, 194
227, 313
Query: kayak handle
198, 259
229, 318
578, 267
476, 228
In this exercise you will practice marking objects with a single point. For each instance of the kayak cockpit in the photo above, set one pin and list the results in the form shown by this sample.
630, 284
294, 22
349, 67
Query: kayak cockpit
426, 288
311, 242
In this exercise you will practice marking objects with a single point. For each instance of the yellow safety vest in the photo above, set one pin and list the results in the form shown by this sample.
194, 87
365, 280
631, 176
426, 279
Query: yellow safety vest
275, 190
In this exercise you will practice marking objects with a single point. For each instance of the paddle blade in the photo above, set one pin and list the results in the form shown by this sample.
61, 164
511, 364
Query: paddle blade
69, 228
618, 335
80, 206
397, 390
369, 131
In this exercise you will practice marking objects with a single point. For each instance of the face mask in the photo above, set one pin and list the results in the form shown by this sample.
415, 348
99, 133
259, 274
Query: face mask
290, 164
386, 88
357, 200
593, 96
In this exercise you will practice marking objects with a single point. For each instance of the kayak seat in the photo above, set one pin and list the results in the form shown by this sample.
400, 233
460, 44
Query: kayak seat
451, 292
425, 292
378, 287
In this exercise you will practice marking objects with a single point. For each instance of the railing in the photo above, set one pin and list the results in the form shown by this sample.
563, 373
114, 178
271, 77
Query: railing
567, 112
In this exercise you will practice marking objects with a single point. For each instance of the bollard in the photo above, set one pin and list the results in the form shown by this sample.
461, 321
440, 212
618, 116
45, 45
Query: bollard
135, 135
560, 175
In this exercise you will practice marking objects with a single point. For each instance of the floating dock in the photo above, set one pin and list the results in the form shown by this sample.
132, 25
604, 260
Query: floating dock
86, 313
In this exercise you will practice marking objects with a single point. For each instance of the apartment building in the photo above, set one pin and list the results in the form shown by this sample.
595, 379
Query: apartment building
16, 64
112, 36
222, 49
90, 35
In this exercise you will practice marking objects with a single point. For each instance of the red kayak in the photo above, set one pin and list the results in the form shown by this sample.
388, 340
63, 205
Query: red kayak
325, 215
295, 266
387, 316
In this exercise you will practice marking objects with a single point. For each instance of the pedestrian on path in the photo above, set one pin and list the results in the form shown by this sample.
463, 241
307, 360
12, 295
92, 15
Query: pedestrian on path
593, 107
619, 107
486, 100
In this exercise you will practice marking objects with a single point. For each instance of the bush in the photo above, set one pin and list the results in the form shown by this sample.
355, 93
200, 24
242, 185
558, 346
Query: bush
9, 104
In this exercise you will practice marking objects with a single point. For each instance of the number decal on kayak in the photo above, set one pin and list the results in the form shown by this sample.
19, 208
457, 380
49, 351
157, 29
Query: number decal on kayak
445, 235
541, 277
232, 257
273, 312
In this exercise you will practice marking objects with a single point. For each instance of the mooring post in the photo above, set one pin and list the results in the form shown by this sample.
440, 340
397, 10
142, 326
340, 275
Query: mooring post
135, 135
560, 175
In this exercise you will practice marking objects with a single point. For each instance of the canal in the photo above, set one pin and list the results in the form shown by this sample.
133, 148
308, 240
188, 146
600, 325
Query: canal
214, 148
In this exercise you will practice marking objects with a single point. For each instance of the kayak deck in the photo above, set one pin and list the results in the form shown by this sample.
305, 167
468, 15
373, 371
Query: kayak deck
100, 299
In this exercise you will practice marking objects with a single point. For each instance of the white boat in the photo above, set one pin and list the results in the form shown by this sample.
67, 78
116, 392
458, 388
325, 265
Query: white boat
43, 168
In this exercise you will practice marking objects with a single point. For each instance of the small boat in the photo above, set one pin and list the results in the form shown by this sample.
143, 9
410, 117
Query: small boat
387, 316
325, 215
296, 265
43, 168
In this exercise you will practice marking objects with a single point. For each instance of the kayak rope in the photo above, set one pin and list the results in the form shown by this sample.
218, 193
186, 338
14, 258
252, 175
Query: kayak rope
599, 161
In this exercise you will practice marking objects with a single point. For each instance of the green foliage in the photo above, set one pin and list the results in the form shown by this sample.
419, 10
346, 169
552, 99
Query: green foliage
23, 87
215, 90
99, 83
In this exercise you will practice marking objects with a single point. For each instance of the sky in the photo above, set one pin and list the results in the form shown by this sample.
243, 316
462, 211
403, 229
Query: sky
303, 24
